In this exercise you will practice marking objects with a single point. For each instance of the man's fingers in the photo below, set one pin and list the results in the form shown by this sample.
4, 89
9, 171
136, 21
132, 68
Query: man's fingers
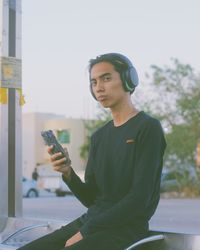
66, 244
55, 156
75, 238
66, 152
59, 168
59, 162
49, 149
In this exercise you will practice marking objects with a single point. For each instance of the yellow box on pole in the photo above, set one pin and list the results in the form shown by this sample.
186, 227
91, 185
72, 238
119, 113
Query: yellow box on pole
3, 95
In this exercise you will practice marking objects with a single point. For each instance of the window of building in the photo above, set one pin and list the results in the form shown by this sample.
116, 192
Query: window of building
63, 136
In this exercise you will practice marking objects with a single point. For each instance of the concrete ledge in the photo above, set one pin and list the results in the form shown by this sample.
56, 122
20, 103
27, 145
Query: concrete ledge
146, 240
4, 247
20, 231
167, 241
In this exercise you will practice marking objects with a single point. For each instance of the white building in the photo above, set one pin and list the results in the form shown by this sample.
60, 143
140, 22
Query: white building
70, 133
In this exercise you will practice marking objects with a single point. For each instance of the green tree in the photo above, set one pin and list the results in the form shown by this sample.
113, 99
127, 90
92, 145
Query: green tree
177, 105
91, 126
174, 98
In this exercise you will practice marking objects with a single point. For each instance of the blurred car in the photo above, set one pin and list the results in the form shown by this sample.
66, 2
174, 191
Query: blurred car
29, 188
169, 181
175, 179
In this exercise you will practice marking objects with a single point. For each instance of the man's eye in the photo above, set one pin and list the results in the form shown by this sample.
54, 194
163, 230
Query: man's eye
106, 78
93, 83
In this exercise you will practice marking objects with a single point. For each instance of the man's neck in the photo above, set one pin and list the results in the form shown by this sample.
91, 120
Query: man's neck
123, 113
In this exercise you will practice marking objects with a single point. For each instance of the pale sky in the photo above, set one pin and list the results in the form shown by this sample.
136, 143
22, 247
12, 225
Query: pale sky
60, 36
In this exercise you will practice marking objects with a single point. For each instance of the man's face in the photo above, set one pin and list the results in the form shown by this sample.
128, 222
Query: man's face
107, 85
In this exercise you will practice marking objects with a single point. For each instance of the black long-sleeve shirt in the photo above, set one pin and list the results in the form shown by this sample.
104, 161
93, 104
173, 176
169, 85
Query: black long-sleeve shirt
122, 178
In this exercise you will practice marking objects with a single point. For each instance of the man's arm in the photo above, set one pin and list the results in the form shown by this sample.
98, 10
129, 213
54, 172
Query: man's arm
138, 203
84, 191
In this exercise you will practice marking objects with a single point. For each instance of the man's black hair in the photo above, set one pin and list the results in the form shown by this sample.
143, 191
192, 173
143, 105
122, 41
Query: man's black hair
112, 58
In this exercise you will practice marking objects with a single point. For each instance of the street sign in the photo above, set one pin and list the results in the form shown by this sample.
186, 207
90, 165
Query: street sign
10, 72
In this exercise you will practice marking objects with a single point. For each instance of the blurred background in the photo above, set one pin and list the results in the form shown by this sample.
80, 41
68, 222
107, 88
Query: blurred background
162, 40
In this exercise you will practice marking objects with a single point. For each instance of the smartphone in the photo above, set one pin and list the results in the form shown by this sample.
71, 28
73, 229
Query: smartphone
50, 139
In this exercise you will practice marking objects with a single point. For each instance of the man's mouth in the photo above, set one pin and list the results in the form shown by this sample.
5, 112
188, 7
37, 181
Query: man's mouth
101, 98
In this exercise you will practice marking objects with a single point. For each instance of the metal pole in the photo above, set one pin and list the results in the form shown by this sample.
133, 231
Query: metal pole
11, 113
10, 109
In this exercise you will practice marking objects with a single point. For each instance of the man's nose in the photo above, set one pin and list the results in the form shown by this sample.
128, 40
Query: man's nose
99, 86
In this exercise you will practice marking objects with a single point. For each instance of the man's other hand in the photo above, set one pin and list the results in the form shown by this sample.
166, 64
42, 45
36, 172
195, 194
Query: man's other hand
75, 238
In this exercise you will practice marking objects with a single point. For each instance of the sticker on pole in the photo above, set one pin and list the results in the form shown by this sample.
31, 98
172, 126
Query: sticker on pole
10, 72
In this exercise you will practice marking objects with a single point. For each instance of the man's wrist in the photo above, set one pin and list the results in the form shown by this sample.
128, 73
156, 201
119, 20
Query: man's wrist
67, 175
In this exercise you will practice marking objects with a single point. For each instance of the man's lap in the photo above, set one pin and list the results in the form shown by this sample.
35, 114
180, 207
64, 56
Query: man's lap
55, 240
103, 240
106, 240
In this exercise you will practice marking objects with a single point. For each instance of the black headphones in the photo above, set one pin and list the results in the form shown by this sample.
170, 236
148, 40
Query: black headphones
127, 71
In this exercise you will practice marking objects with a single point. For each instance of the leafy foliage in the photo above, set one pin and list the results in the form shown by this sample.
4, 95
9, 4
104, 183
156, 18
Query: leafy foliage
175, 100
177, 104
91, 126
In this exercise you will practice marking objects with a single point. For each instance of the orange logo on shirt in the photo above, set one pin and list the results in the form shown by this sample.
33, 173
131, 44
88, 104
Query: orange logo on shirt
130, 141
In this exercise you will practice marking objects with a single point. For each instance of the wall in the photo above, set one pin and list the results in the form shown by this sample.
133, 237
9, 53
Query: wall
77, 136
34, 150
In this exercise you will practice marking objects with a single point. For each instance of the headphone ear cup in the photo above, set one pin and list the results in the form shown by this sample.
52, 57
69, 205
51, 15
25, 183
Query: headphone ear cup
130, 79
133, 76
124, 80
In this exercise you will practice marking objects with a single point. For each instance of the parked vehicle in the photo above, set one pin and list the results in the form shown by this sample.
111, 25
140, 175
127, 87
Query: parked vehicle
29, 188
169, 182
51, 181
175, 179
54, 184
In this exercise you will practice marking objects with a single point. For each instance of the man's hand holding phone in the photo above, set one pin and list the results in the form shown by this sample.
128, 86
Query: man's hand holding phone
59, 155
60, 164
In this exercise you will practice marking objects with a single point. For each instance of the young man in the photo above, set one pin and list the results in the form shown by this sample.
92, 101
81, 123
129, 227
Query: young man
122, 178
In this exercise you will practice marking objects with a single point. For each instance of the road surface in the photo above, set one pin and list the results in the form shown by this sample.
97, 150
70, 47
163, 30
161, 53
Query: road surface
175, 215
